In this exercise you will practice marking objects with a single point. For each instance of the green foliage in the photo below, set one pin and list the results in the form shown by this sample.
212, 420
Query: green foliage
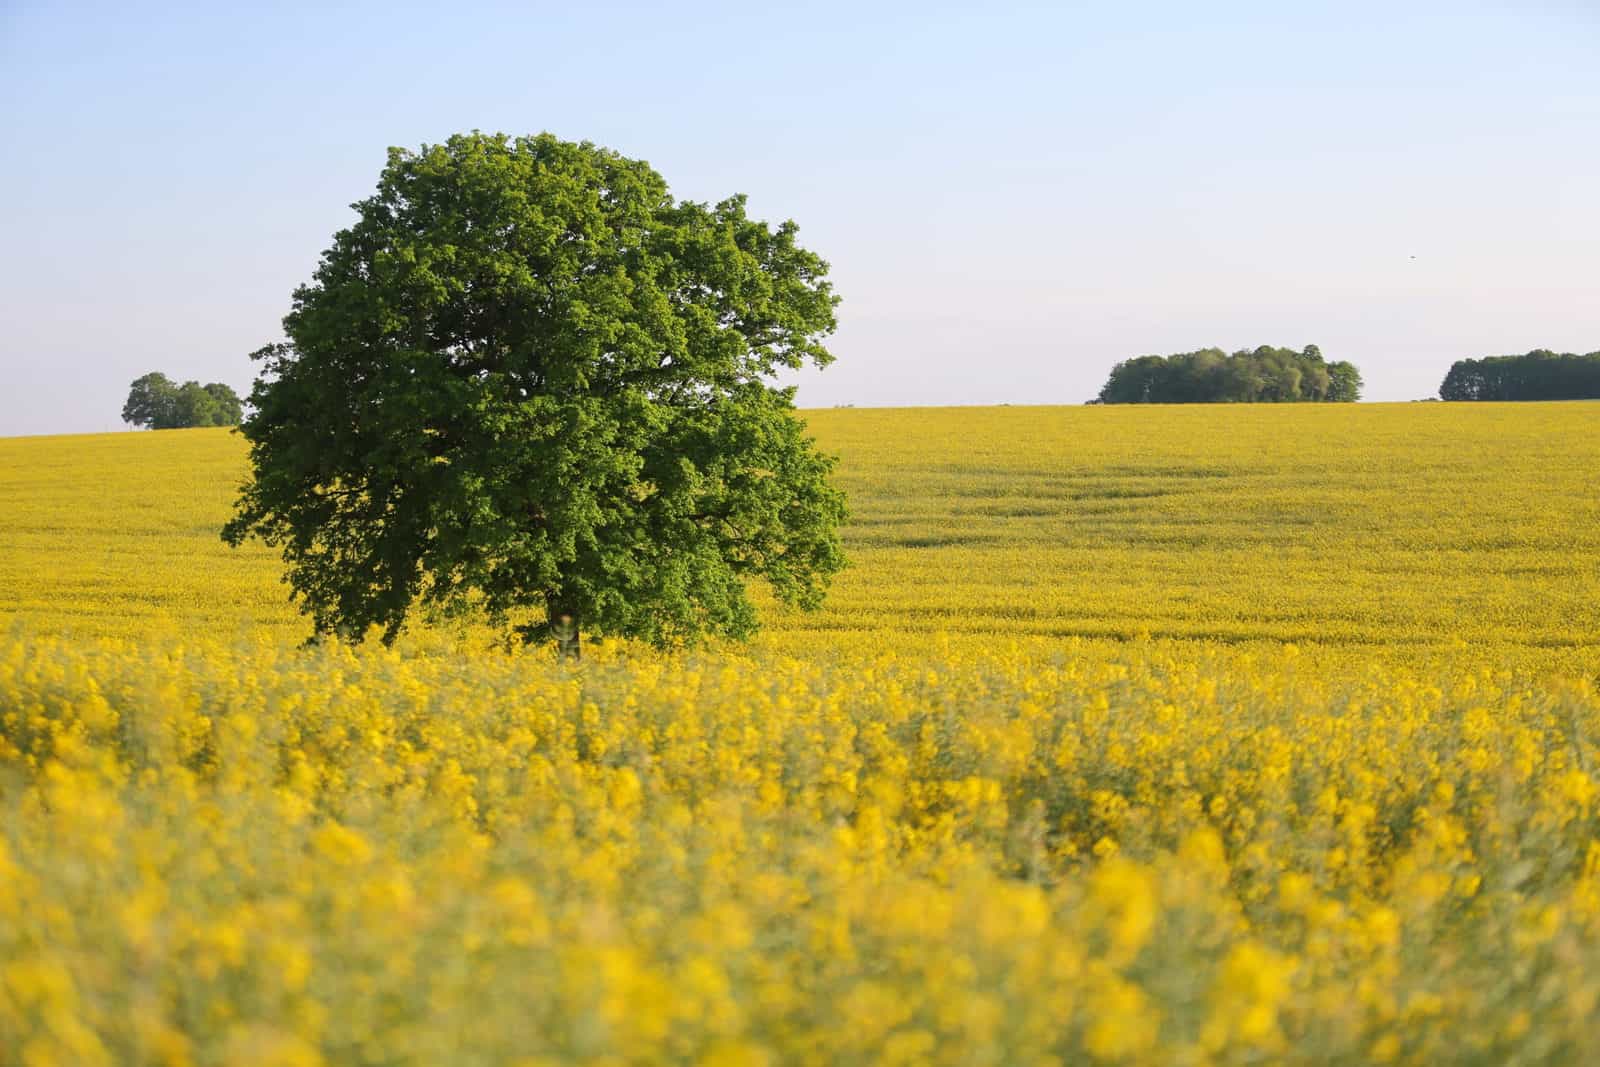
229, 409
154, 401
527, 380
1539, 375
1344, 383
194, 406
1265, 375
151, 401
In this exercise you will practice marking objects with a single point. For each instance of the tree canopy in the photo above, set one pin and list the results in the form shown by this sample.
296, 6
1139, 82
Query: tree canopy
1262, 375
529, 382
1538, 375
156, 402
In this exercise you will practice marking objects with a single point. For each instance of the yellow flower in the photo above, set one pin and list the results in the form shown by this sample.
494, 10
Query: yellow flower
1251, 986
1122, 1023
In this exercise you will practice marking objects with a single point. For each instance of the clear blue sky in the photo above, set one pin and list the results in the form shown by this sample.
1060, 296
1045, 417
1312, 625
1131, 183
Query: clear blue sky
1013, 196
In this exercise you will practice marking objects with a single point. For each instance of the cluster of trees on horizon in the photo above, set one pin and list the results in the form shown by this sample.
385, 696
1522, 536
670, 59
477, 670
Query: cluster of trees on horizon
1209, 375
156, 402
1248, 376
1538, 375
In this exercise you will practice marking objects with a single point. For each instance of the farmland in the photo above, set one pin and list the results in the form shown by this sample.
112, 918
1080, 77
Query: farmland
1192, 735
1387, 526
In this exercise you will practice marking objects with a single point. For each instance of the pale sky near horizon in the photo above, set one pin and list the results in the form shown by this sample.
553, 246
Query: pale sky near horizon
1012, 196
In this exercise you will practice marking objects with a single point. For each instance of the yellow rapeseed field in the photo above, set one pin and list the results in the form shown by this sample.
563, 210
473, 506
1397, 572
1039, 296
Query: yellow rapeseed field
1388, 526
1204, 735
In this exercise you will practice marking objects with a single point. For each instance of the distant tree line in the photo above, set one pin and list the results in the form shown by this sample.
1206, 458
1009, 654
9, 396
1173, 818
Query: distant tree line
1264, 375
1539, 375
158, 403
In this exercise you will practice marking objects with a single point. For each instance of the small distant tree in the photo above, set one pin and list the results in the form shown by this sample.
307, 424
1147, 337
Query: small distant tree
156, 403
196, 406
229, 408
529, 382
152, 401
1344, 382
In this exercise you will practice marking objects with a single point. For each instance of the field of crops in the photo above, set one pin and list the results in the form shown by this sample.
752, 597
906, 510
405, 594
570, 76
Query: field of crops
1387, 526
1195, 735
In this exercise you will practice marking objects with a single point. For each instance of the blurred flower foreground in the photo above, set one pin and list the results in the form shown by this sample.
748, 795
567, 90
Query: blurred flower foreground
244, 853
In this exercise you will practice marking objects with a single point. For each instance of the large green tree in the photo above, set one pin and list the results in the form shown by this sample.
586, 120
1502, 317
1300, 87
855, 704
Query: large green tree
529, 382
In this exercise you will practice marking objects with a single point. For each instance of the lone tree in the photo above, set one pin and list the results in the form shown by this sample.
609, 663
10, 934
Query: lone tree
156, 402
529, 382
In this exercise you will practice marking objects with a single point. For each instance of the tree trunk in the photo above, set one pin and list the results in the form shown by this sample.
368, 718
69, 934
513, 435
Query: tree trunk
564, 627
